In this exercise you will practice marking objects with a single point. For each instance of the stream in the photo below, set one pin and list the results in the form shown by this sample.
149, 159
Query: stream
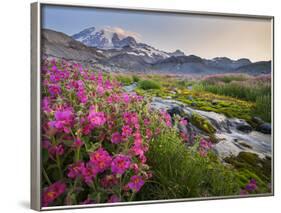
232, 139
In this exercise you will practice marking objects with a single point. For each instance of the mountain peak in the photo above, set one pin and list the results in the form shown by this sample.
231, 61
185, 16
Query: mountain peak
106, 38
177, 53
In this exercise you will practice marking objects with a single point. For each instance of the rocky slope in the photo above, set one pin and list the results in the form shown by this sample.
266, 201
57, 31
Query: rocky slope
111, 52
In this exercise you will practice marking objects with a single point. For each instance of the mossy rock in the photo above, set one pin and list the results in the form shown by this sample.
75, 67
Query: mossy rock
202, 124
250, 166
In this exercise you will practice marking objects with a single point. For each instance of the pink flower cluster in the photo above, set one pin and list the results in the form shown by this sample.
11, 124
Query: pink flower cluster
204, 146
95, 136
249, 188
53, 192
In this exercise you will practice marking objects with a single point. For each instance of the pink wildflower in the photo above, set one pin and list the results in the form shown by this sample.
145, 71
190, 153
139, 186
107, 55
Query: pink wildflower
87, 201
126, 131
54, 78
101, 159
46, 104
205, 144
136, 183
114, 199
89, 172
78, 143
251, 186
120, 164
135, 167
183, 122
116, 138
100, 90
75, 170
52, 192
56, 150
96, 118
148, 134
63, 120
54, 90
109, 181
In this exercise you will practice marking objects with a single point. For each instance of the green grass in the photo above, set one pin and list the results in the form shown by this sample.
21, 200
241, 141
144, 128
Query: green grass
179, 172
240, 90
231, 107
256, 90
149, 84
136, 78
125, 80
263, 107
226, 78
237, 95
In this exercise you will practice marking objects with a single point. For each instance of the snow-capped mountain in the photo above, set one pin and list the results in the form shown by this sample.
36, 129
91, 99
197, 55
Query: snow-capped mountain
128, 55
112, 41
106, 38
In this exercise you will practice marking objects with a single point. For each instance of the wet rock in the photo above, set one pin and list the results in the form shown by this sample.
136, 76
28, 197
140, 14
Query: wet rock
257, 121
228, 137
131, 87
189, 87
175, 111
265, 128
202, 123
245, 145
190, 97
215, 102
193, 104
244, 127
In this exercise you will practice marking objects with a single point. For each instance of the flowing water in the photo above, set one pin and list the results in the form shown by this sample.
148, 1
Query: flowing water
231, 140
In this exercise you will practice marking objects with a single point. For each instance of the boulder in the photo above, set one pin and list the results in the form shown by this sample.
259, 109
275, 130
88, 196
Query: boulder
264, 128
257, 120
215, 102
175, 111
193, 104
190, 97
244, 127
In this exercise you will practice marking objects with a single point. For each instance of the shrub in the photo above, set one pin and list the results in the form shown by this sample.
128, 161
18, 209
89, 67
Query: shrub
136, 78
179, 172
148, 84
125, 80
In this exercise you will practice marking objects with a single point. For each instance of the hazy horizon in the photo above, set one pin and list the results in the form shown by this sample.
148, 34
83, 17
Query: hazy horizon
201, 35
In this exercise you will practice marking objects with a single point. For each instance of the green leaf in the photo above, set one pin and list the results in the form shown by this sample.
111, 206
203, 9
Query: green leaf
91, 147
45, 155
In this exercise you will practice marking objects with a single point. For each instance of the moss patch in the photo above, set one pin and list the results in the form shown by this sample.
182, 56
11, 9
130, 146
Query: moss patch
202, 124
249, 166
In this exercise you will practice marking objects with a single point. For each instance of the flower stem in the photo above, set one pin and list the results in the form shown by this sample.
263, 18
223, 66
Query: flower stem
46, 177
132, 196
77, 155
59, 166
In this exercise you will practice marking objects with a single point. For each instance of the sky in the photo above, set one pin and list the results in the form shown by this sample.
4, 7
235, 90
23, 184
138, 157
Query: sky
202, 35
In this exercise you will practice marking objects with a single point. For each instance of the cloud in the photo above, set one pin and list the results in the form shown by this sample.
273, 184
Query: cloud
122, 33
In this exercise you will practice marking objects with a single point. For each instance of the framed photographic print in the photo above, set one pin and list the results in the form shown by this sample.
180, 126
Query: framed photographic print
138, 105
